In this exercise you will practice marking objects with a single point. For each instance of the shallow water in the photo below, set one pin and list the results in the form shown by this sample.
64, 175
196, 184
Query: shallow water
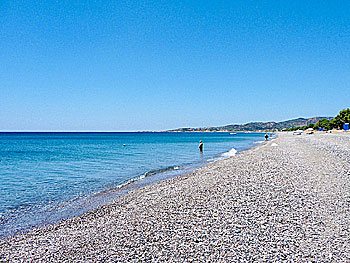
45, 177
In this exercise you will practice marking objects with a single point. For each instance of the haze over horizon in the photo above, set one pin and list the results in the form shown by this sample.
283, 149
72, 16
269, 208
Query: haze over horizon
146, 65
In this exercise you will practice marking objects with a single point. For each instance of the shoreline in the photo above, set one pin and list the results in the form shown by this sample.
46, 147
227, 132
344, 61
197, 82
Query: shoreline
94, 201
271, 202
181, 172
130, 186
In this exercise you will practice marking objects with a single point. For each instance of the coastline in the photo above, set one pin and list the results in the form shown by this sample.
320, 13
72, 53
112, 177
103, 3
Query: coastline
129, 186
76, 206
120, 181
229, 209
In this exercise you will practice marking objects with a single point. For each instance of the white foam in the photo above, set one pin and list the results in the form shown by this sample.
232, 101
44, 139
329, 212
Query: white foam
230, 153
258, 142
211, 160
142, 176
274, 144
126, 183
176, 168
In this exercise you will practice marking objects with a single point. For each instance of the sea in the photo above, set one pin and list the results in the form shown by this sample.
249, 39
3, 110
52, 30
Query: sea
49, 176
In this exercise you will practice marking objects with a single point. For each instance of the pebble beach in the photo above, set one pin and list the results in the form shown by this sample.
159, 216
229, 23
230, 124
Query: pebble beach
286, 200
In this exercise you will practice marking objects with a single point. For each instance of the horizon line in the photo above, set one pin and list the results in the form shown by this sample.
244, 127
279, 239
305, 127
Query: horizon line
110, 131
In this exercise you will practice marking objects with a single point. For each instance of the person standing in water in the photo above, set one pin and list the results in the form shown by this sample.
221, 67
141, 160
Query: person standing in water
200, 146
266, 136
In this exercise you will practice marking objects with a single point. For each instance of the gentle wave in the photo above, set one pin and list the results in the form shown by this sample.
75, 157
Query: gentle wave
146, 174
230, 153
160, 171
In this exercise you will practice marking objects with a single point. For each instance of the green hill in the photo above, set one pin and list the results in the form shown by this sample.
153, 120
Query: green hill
257, 126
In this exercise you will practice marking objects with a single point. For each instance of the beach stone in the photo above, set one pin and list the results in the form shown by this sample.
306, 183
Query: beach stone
286, 200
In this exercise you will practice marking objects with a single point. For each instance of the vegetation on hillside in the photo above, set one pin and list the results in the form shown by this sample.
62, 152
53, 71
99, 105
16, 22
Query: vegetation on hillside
327, 124
311, 125
257, 126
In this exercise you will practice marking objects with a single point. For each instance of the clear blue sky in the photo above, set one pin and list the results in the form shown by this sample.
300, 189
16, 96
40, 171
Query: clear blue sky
152, 65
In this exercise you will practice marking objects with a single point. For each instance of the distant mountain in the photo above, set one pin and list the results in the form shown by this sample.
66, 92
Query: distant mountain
257, 126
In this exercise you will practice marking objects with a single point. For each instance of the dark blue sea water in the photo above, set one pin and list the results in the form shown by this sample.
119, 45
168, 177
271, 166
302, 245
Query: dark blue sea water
45, 177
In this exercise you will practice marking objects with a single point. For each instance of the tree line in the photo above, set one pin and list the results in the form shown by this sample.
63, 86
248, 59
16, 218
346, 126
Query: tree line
336, 123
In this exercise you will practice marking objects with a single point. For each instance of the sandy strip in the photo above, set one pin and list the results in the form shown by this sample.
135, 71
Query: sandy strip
287, 200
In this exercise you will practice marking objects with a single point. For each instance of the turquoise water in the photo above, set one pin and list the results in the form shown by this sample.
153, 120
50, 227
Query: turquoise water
45, 177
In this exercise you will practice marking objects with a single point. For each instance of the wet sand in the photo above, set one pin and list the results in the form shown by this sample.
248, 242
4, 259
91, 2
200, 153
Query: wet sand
285, 201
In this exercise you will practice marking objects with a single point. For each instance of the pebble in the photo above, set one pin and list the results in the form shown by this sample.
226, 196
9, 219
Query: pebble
286, 200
